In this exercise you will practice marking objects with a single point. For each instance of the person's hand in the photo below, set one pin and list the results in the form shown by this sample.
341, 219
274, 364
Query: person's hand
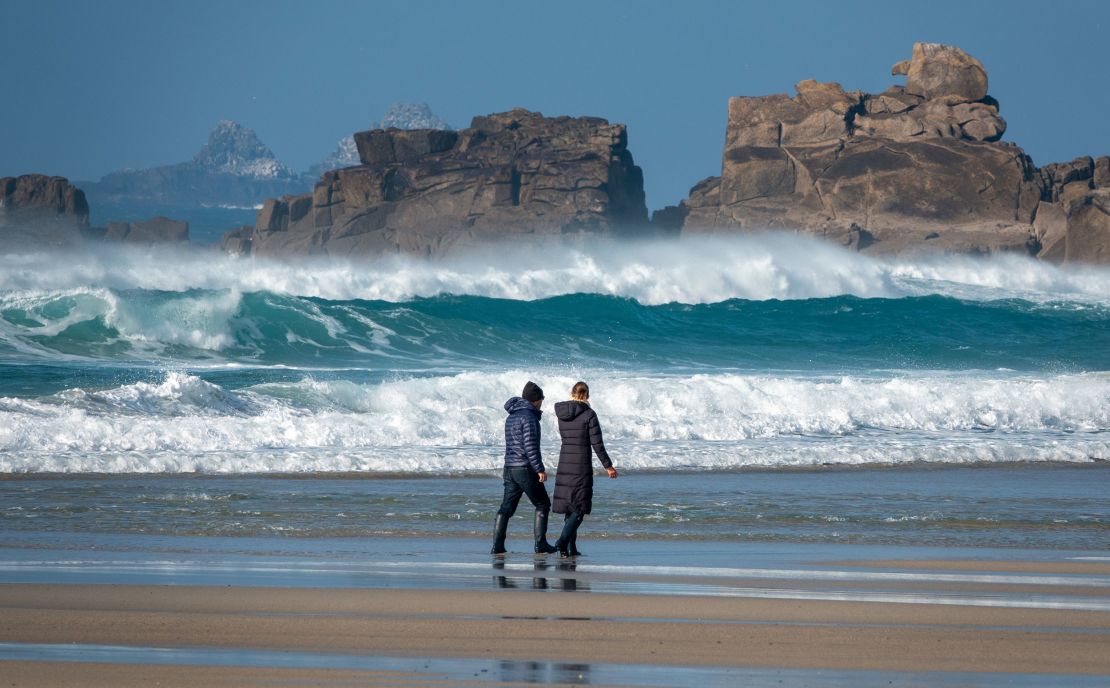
612, 472
543, 476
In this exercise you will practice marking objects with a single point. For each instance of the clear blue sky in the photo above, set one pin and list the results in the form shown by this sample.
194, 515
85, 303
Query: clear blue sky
91, 87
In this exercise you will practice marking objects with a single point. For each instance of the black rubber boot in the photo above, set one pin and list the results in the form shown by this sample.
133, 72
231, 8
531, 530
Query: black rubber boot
540, 531
499, 527
561, 543
569, 537
572, 544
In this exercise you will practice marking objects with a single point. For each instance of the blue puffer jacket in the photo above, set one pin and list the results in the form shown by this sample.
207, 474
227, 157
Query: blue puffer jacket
522, 435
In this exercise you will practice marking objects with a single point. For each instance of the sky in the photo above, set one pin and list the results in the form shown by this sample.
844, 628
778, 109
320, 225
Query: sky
93, 87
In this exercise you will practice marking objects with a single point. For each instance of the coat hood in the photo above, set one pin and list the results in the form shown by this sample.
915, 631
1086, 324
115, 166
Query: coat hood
569, 410
520, 404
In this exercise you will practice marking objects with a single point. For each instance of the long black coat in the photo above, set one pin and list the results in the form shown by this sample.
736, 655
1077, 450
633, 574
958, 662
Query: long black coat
574, 481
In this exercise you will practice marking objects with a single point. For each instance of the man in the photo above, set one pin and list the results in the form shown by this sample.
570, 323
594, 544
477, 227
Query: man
524, 472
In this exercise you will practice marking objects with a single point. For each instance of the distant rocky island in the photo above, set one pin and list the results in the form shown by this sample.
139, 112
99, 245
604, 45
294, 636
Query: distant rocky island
232, 168
235, 168
918, 167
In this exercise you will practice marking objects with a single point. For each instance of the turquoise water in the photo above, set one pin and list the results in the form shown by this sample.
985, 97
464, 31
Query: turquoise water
454, 333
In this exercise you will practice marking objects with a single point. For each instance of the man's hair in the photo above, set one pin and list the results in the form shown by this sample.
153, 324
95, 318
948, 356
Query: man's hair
580, 391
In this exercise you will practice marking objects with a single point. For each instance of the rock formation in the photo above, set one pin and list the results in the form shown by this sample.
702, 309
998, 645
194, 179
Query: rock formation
156, 230
237, 241
37, 196
233, 168
917, 166
429, 192
38, 211
1073, 218
399, 116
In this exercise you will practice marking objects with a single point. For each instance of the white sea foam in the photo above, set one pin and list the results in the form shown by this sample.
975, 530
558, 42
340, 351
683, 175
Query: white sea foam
455, 422
202, 321
697, 270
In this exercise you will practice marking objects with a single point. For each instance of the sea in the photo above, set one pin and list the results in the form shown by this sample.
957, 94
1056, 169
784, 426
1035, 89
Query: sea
757, 389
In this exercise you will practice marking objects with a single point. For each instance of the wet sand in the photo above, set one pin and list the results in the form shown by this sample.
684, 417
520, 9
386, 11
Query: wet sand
424, 613
99, 675
534, 625
1070, 567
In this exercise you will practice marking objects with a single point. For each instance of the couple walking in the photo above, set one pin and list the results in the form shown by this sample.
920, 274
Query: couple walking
525, 473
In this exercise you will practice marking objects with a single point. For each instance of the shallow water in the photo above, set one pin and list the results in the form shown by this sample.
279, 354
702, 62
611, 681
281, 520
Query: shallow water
1026, 506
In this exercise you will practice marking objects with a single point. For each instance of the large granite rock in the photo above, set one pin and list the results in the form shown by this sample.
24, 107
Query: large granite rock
917, 166
509, 176
1073, 218
38, 196
38, 211
41, 212
944, 72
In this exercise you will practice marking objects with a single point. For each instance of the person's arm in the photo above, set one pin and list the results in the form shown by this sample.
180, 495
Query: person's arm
598, 444
531, 444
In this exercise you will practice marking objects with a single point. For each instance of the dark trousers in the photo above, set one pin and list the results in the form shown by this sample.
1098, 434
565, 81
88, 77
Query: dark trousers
569, 536
522, 481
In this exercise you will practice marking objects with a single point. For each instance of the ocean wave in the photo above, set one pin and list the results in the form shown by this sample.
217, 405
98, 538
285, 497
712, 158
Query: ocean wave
691, 271
468, 332
184, 423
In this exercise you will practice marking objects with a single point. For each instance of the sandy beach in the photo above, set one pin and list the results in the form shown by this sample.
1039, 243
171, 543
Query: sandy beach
556, 620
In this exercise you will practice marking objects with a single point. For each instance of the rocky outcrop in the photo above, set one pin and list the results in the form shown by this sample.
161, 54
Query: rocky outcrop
157, 230
400, 116
38, 196
41, 211
917, 166
237, 241
1073, 218
234, 167
429, 192
943, 72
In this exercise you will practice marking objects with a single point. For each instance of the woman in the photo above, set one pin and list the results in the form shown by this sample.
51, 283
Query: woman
574, 481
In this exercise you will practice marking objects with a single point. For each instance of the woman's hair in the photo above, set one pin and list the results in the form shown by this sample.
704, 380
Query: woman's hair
580, 391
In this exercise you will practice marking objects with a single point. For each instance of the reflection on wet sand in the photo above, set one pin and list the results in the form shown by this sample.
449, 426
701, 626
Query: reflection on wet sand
546, 576
544, 672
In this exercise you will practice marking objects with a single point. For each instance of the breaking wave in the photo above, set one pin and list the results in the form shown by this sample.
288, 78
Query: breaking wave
213, 328
693, 271
454, 423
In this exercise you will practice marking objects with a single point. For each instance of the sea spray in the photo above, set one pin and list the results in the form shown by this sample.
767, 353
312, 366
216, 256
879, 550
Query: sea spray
692, 271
